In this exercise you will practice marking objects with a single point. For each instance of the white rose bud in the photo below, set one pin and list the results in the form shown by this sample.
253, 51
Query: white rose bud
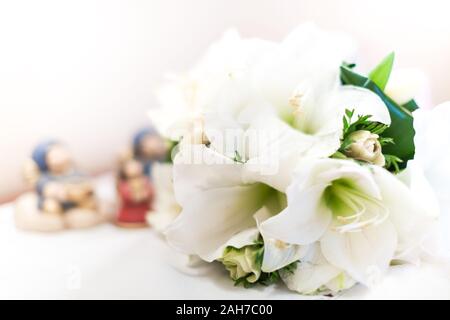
366, 147
241, 263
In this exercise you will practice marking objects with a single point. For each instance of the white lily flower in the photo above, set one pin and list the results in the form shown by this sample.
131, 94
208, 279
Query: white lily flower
414, 213
304, 87
363, 217
303, 90
308, 58
220, 202
222, 70
314, 275
217, 202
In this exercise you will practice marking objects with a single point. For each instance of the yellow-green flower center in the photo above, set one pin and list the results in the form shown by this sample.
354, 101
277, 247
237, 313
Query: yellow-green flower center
352, 208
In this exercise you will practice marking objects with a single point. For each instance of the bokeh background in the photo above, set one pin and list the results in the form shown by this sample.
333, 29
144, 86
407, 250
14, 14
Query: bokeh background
85, 71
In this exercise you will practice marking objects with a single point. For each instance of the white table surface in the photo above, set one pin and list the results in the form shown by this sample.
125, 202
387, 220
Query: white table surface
112, 263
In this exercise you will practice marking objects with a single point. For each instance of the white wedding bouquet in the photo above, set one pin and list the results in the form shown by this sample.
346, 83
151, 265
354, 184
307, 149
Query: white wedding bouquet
292, 166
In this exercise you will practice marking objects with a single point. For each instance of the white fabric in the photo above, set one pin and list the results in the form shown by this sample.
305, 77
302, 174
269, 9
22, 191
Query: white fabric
112, 263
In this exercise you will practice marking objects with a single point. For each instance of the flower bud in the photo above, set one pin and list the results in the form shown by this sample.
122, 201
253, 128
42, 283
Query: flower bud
241, 263
365, 147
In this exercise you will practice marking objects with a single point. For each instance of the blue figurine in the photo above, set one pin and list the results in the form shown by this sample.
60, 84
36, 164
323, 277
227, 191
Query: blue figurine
63, 197
148, 147
60, 187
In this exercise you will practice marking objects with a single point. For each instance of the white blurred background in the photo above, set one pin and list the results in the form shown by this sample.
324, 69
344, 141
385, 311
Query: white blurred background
84, 71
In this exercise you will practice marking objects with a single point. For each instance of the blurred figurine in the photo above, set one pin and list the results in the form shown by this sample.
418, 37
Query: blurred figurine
63, 197
148, 148
136, 194
135, 187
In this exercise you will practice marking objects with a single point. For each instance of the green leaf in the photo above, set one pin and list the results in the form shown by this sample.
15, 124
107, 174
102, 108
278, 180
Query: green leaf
401, 129
380, 75
349, 65
392, 163
411, 105
385, 141
362, 123
338, 155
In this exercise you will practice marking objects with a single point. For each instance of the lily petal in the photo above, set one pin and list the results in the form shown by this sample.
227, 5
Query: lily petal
212, 217
411, 217
303, 222
341, 282
216, 205
312, 272
364, 255
277, 254
306, 54
364, 102
198, 168
311, 171
274, 150
244, 238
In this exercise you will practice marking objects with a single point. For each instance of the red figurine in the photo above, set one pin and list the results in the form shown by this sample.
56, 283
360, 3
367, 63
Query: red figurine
136, 193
